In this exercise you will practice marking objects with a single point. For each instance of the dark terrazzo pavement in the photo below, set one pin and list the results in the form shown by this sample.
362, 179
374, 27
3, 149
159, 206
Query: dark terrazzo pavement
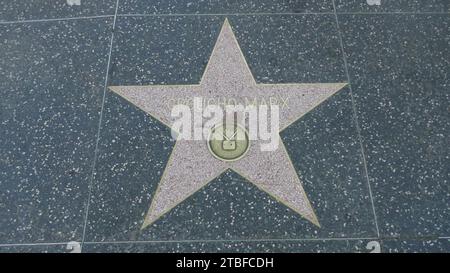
373, 158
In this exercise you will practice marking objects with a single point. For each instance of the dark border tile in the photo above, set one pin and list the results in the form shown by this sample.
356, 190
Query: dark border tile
392, 6
51, 85
41, 248
398, 66
315, 246
221, 7
19, 10
416, 245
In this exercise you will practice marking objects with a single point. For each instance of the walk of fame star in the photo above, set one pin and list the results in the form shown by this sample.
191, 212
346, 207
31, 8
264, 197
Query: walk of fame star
192, 165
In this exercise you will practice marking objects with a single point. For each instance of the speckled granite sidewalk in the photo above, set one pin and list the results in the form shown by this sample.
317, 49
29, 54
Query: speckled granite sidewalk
81, 163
